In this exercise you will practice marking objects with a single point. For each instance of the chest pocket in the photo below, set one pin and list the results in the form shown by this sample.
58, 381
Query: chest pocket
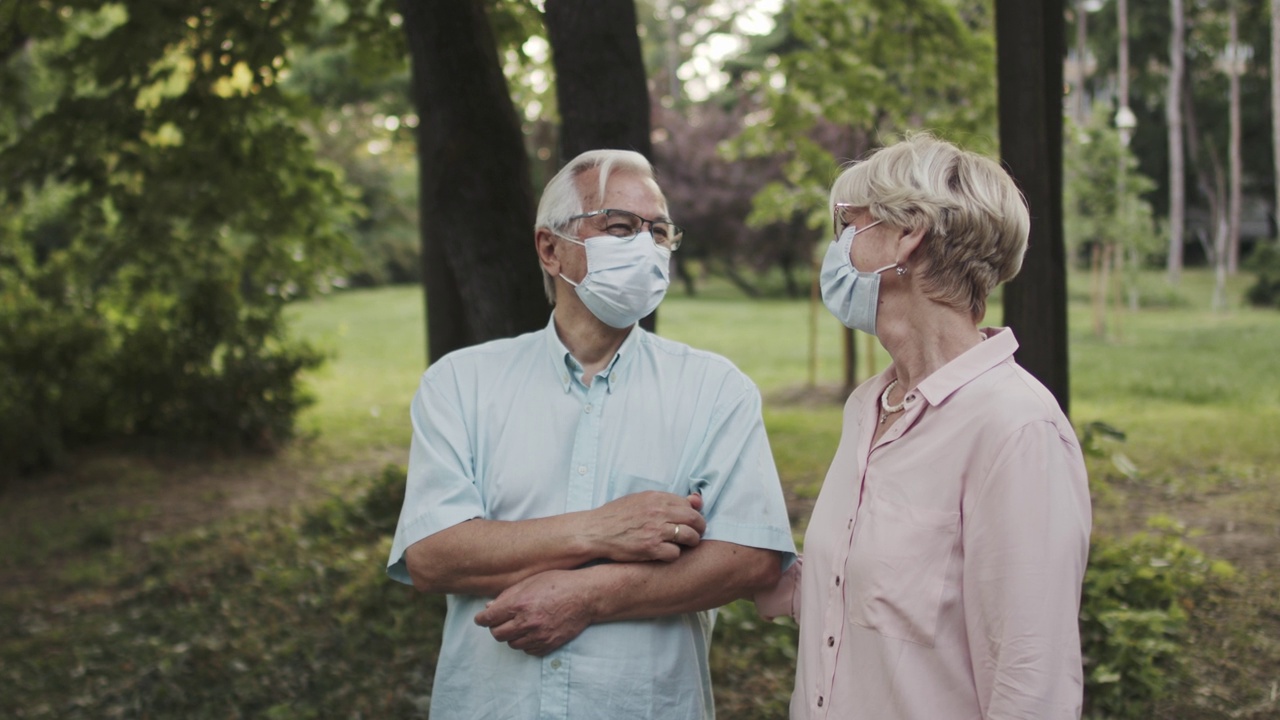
621, 483
897, 568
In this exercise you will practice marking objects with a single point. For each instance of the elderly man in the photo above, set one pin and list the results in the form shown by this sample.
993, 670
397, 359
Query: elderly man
586, 494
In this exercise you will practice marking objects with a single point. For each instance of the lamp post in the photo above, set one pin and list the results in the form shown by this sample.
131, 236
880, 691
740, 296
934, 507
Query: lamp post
1126, 121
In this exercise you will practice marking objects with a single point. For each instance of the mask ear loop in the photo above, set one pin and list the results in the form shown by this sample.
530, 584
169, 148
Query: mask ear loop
562, 236
575, 241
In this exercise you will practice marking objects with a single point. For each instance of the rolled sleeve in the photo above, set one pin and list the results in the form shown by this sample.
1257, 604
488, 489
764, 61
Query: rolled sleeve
440, 490
1025, 548
736, 475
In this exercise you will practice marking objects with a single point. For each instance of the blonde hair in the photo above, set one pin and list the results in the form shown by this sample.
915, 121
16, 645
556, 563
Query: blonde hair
562, 199
975, 219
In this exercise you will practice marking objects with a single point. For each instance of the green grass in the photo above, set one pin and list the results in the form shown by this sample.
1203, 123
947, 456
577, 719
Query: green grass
379, 347
286, 613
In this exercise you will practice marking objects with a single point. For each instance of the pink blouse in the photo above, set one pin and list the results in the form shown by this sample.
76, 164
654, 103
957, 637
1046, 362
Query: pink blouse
942, 567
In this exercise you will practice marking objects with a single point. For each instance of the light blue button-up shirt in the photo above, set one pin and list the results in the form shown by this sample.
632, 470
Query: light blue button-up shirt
508, 431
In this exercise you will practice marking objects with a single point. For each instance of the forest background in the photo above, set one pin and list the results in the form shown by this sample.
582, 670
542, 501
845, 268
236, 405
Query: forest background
205, 210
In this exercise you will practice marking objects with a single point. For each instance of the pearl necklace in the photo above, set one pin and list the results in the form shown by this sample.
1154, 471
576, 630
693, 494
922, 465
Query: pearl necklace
885, 408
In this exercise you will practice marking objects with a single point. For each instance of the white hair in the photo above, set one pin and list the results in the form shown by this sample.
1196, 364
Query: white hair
562, 199
975, 219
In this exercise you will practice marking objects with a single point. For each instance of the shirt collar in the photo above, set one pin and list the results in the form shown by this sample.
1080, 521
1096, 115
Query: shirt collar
997, 347
568, 369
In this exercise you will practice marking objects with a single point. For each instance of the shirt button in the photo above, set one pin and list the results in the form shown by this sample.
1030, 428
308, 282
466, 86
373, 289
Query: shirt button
911, 398
837, 581
831, 641
587, 408
555, 664
564, 378
582, 469
850, 523
613, 376
819, 701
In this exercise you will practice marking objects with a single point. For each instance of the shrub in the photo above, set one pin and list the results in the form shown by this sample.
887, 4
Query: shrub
50, 377
1265, 260
1133, 616
187, 359
371, 515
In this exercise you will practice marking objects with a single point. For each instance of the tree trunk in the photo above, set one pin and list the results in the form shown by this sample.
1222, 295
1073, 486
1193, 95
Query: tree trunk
1081, 105
1213, 186
1029, 47
681, 270
815, 302
1275, 105
1177, 163
1122, 25
1221, 230
476, 203
787, 264
1234, 61
850, 346
1221, 233
1097, 284
1130, 244
600, 80
737, 278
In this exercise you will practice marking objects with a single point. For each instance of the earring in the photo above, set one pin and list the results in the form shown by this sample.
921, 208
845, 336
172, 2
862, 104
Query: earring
902, 270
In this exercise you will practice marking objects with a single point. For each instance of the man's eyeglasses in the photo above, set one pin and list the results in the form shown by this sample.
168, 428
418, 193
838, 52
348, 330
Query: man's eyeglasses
626, 224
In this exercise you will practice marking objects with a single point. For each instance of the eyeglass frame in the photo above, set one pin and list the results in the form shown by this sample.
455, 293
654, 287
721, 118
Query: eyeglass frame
837, 216
677, 232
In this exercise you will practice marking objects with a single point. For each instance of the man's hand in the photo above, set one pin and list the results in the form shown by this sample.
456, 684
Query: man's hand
647, 526
547, 610
539, 614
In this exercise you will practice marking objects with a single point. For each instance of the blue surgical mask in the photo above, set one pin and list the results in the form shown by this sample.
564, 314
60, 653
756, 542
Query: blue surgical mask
626, 278
851, 295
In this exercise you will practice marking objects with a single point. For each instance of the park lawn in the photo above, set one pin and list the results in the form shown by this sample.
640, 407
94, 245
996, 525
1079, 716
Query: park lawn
252, 587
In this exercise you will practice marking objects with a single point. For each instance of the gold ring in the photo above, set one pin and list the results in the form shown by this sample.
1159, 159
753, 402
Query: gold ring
676, 536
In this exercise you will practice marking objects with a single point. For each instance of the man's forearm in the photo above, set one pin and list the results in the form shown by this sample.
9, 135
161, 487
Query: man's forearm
708, 576
484, 557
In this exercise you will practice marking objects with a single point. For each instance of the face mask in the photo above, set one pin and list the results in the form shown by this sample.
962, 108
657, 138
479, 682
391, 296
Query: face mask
850, 295
626, 278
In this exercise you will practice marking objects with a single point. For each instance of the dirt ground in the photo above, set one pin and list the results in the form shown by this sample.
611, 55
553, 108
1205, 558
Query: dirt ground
127, 501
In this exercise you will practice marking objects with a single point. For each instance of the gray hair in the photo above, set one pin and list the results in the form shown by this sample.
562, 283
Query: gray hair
562, 200
975, 219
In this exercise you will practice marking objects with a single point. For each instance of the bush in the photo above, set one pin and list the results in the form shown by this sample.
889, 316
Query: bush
1133, 617
191, 360
49, 377
1265, 260
371, 516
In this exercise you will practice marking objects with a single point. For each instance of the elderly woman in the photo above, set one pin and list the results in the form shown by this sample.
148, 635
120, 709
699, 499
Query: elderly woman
943, 562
